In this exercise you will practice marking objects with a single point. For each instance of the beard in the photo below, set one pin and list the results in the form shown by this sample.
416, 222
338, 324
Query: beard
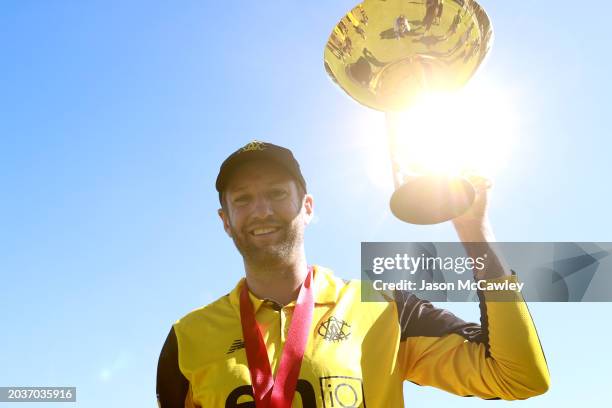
281, 251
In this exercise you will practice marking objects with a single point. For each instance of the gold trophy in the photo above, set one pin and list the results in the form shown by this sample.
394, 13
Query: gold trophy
385, 54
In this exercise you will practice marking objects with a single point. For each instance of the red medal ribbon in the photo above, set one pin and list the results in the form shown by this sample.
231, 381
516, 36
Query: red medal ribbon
277, 392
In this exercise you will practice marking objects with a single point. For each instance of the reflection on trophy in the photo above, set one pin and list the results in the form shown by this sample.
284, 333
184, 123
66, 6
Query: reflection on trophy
386, 54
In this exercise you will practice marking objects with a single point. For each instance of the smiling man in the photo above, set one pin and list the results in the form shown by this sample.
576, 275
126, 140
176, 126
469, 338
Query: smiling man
291, 334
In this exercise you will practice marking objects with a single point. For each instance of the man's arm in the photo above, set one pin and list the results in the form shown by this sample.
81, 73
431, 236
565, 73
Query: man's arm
475, 232
172, 386
500, 358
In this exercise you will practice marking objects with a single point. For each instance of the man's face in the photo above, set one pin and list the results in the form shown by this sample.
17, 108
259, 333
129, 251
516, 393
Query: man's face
265, 214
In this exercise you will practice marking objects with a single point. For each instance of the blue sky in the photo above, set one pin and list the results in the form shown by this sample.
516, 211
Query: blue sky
116, 115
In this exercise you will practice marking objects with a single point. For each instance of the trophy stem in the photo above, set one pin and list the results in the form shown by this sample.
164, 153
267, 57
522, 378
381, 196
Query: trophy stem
424, 198
391, 119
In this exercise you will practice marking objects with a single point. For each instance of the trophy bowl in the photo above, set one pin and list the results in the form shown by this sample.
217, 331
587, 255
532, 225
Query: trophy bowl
385, 54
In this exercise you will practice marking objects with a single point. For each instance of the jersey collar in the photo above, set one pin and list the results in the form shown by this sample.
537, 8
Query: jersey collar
326, 287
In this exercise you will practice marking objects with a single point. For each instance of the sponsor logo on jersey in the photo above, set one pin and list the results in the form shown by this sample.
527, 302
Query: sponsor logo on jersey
336, 391
342, 391
242, 396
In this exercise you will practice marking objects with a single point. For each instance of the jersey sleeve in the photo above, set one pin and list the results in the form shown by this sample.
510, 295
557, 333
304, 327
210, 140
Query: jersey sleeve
173, 389
501, 358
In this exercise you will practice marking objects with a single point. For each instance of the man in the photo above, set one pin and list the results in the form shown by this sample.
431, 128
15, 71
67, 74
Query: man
294, 335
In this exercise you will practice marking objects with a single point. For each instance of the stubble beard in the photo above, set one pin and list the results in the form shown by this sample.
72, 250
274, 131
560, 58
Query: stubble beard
273, 256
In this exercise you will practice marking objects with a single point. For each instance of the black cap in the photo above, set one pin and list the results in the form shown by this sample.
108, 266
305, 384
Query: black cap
257, 150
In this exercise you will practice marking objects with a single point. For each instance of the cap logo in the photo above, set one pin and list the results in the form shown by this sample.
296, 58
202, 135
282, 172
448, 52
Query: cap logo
254, 145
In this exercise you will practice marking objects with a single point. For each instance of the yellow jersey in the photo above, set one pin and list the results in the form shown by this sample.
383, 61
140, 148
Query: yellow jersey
358, 353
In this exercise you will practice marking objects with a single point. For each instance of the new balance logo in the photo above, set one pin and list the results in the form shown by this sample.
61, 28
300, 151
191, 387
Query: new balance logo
236, 345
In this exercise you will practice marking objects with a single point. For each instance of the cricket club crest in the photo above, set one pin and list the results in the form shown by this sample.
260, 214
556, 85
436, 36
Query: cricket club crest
334, 329
254, 145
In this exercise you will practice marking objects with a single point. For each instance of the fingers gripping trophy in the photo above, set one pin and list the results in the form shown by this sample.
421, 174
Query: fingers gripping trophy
386, 54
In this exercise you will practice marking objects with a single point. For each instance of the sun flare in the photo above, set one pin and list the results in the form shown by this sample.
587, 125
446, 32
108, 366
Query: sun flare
468, 131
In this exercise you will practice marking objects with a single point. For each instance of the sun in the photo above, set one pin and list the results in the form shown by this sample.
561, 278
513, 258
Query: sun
473, 130
467, 131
